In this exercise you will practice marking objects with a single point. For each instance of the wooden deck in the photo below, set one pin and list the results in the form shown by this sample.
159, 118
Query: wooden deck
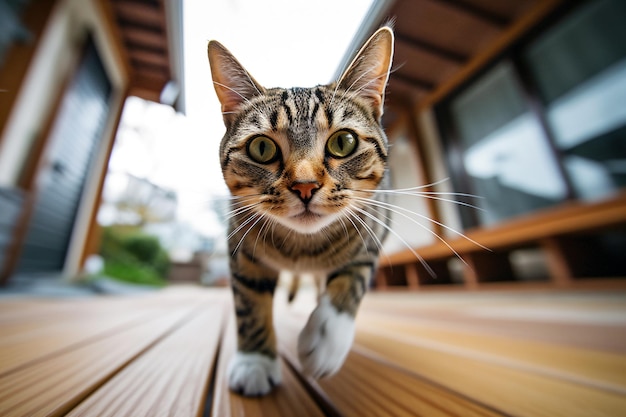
428, 354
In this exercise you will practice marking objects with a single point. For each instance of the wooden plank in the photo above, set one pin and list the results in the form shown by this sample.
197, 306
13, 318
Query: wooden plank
31, 342
513, 391
55, 385
31, 332
171, 379
516, 373
286, 398
585, 366
589, 320
402, 393
368, 387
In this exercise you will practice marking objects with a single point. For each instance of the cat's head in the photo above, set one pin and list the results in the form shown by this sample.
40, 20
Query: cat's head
303, 156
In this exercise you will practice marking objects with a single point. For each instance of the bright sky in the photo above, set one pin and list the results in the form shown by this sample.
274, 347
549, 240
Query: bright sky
282, 43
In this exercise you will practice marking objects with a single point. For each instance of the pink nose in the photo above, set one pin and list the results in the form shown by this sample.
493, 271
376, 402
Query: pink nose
305, 190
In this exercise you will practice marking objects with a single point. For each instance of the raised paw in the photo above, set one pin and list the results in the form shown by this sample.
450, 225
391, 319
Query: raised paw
325, 341
253, 374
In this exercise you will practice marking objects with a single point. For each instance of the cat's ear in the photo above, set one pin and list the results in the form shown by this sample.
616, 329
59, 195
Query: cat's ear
233, 84
368, 73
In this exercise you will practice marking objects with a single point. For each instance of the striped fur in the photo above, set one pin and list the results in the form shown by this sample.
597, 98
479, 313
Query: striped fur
297, 211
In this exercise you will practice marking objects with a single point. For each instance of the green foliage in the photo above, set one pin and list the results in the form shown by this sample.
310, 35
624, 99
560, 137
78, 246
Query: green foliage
133, 273
132, 256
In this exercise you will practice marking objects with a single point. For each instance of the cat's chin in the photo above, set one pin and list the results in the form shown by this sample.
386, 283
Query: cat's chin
308, 222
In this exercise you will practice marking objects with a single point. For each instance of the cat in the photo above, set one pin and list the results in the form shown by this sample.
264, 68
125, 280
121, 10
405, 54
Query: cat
300, 164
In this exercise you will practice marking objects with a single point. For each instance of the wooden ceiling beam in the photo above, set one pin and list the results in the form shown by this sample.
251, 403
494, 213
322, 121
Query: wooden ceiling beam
148, 57
519, 28
148, 85
140, 13
148, 38
487, 16
153, 26
443, 53
414, 81
134, 47
144, 69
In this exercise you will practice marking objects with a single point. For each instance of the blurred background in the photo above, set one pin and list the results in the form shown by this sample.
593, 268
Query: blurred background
508, 115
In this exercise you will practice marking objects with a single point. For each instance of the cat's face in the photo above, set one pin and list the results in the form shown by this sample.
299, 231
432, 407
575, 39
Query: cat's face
303, 157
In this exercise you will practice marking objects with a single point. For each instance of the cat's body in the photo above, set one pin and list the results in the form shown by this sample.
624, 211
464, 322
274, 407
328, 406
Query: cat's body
299, 162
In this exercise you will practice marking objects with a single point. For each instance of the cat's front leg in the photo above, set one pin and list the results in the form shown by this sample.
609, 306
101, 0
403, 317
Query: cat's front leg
255, 368
327, 337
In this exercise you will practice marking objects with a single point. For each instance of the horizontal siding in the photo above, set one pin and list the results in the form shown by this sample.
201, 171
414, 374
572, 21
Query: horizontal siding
11, 202
73, 140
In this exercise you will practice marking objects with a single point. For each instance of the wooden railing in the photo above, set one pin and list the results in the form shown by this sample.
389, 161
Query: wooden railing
563, 235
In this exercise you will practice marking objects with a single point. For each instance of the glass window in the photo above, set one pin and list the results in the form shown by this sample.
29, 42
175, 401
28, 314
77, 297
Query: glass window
505, 154
579, 67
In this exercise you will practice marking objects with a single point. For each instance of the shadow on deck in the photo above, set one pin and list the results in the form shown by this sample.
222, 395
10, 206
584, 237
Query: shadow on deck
434, 354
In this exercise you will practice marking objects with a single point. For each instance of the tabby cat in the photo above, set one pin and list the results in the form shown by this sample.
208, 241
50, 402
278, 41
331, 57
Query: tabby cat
299, 163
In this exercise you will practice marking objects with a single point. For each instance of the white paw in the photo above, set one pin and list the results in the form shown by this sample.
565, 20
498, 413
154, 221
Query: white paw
253, 374
325, 341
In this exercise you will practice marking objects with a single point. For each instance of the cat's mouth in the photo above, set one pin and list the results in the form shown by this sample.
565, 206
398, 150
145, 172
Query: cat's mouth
307, 221
307, 216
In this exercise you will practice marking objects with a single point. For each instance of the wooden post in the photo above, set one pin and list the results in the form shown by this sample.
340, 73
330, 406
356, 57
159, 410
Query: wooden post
382, 277
412, 276
92, 241
569, 258
487, 267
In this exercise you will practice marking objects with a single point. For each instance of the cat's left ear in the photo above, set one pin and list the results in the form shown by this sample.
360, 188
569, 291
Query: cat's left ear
233, 84
368, 73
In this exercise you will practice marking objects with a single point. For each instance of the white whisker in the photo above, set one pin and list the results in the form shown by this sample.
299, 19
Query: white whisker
431, 195
417, 255
398, 210
371, 232
242, 225
263, 226
421, 187
240, 210
351, 213
259, 217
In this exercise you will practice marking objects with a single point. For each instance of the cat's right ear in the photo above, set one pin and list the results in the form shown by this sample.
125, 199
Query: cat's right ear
368, 73
233, 84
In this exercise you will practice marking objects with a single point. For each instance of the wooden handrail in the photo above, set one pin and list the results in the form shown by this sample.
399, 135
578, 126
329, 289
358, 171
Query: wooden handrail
566, 219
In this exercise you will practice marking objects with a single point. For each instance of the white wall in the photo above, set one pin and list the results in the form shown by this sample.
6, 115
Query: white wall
410, 222
439, 172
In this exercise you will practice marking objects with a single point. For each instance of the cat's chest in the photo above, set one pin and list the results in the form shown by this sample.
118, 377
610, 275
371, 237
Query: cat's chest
306, 253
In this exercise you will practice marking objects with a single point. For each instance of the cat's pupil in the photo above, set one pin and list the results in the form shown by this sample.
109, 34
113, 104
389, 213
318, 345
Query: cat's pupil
262, 149
341, 143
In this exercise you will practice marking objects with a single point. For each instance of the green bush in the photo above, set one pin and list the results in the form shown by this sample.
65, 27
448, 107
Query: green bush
132, 256
145, 248
133, 273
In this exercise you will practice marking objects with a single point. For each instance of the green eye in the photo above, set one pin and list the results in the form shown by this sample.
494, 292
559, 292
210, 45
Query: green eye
341, 144
262, 149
